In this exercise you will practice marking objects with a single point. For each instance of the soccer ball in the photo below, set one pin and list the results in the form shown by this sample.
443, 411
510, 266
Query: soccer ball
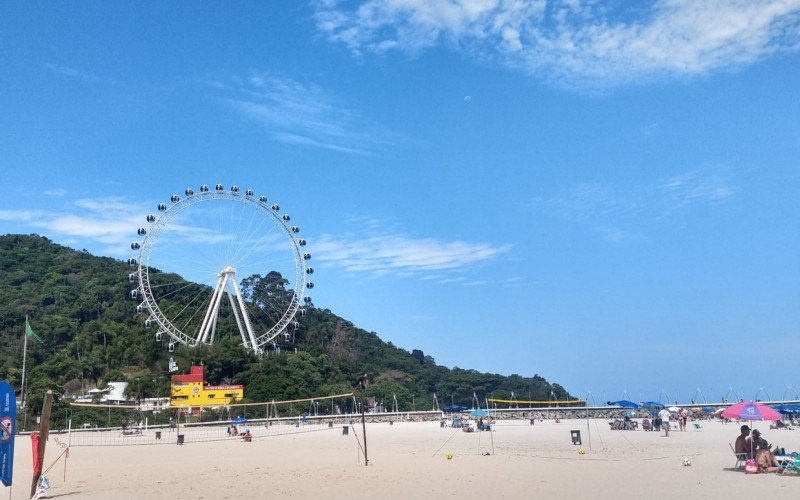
687, 462
449, 456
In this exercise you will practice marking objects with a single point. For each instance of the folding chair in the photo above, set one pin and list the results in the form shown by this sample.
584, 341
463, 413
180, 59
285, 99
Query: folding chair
697, 426
789, 464
740, 458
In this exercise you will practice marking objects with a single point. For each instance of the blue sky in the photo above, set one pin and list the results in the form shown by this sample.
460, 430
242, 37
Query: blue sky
602, 194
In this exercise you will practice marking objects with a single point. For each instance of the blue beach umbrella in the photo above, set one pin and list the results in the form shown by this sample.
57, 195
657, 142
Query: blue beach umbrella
624, 404
478, 413
238, 420
787, 408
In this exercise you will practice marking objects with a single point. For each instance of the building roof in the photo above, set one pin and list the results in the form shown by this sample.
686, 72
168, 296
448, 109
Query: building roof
196, 374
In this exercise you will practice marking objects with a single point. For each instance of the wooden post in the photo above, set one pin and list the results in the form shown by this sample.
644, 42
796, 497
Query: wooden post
364, 430
44, 430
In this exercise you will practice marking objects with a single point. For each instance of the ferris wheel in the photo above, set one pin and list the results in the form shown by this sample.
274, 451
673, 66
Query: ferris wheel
220, 262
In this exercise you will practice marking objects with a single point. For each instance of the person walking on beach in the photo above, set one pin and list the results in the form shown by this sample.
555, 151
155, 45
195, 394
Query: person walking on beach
664, 414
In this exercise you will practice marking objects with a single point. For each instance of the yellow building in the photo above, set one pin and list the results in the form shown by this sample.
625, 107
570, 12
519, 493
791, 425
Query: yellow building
188, 391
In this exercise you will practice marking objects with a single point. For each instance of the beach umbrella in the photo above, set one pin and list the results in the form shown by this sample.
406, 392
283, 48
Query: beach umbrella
652, 404
707, 410
751, 411
624, 404
478, 413
673, 408
238, 420
788, 408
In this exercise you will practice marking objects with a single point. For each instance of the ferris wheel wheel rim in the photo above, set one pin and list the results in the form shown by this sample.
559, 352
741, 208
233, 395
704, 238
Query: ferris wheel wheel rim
177, 205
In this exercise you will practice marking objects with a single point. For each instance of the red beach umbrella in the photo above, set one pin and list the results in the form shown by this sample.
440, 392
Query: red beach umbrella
751, 411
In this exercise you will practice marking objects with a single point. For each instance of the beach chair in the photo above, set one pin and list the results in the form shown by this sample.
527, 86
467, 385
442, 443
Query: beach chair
740, 458
790, 463
697, 426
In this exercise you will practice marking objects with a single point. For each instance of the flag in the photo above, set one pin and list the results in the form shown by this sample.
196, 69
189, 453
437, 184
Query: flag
30, 333
8, 416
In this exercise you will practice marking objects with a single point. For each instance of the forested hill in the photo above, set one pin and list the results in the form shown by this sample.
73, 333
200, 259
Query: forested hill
80, 307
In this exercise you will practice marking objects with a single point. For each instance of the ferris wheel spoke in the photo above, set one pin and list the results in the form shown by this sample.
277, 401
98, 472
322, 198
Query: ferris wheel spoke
237, 240
260, 246
247, 234
194, 318
176, 309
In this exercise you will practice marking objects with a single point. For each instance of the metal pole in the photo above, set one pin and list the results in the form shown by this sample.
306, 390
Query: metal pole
588, 427
24, 359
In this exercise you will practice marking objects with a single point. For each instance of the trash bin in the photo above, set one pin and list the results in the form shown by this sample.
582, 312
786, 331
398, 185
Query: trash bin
345, 430
391, 422
180, 438
330, 424
442, 424
576, 437
158, 434
532, 421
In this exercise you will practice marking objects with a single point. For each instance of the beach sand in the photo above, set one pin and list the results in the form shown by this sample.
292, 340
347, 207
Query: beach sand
408, 460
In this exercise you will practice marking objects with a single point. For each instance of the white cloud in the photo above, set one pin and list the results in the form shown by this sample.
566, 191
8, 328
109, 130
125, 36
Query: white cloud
74, 73
20, 215
617, 212
298, 113
399, 254
109, 221
577, 42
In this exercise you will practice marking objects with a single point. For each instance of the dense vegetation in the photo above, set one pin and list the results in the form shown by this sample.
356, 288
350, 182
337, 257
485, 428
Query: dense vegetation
78, 304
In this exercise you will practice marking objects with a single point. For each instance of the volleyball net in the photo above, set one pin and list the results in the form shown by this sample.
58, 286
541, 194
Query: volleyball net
94, 424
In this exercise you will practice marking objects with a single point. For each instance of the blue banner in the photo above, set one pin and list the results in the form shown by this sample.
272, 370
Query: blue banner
8, 420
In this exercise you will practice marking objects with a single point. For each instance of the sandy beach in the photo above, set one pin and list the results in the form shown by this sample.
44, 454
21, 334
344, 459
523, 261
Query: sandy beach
408, 460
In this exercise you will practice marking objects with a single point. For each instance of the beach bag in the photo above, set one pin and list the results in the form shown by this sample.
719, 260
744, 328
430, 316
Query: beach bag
750, 467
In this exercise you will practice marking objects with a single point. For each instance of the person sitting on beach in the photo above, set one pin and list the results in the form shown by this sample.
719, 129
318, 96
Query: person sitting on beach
762, 452
246, 437
778, 425
742, 444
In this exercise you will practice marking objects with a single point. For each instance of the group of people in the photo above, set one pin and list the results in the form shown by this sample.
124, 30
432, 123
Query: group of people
663, 418
754, 447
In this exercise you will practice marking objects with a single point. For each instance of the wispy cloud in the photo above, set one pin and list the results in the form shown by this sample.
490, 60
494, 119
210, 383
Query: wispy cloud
399, 254
108, 221
580, 42
617, 212
298, 113
77, 74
